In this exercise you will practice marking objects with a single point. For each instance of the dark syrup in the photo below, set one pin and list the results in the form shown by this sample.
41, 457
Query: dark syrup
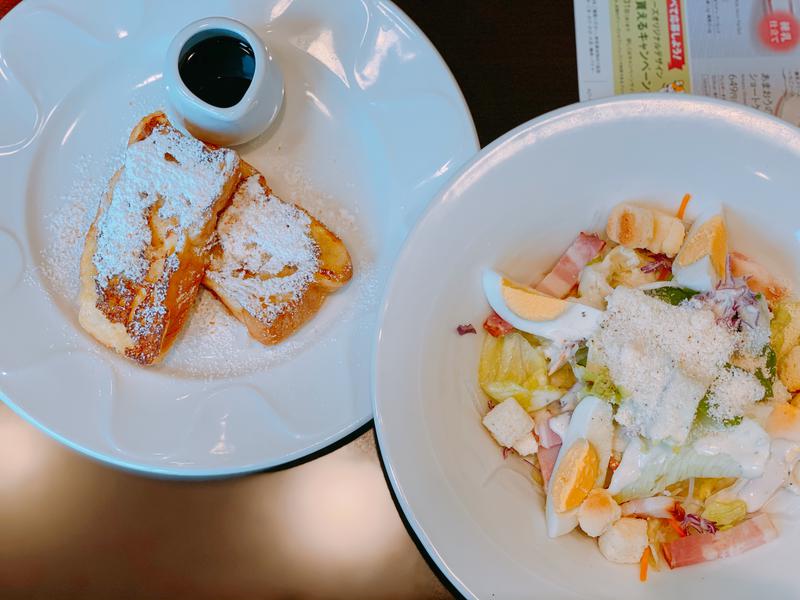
218, 70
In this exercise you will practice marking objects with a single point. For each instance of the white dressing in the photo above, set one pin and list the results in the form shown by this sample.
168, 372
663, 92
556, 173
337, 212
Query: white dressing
747, 443
776, 474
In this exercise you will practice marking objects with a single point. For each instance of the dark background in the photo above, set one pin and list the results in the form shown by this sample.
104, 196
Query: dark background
514, 59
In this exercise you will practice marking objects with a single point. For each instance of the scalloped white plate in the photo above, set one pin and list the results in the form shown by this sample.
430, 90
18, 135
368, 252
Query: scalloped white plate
372, 125
481, 518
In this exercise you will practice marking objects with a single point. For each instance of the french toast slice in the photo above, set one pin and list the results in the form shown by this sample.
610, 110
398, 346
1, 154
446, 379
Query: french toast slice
273, 264
148, 247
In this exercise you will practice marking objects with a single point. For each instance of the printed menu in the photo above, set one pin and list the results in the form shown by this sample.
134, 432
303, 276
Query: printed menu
747, 51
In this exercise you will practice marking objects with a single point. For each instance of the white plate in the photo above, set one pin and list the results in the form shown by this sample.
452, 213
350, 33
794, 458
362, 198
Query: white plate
373, 123
516, 207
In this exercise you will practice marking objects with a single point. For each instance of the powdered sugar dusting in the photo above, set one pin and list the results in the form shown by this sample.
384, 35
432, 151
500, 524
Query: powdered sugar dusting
269, 257
213, 343
67, 226
299, 191
177, 175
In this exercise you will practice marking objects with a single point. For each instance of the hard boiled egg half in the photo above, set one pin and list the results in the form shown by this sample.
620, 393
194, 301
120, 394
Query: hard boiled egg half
701, 262
581, 464
537, 313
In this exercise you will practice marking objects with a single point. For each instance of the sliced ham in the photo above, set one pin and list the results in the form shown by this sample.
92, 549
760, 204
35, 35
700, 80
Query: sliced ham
564, 276
757, 277
496, 325
703, 547
547, 437
547, 460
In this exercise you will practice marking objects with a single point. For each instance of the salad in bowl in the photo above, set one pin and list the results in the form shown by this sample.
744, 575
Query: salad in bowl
649, 380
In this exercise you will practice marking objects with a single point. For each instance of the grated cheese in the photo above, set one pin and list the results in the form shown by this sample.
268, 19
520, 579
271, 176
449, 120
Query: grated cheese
733, 393
662, 358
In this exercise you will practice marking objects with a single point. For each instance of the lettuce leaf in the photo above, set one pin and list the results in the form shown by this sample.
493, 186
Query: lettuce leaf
725, 514
599, 383
581, 356
767, 375
514, 366
671, 295
661, 465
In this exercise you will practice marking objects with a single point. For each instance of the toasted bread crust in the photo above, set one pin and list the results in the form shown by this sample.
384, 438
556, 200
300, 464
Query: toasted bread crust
335, 270
141, 319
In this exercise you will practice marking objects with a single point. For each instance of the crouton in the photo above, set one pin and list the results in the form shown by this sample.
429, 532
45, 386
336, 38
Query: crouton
630, 225
508, 422
668, 234
785, 327
598, 512
526, 445
624, 541
789, 369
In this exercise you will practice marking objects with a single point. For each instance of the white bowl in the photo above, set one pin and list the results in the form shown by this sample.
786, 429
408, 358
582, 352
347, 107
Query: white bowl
246, 119
516, 207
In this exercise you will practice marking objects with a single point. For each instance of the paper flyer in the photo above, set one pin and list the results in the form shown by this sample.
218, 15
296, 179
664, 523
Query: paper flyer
741, 50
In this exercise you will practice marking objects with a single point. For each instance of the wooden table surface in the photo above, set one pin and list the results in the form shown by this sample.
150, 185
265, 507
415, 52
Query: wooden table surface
73, 528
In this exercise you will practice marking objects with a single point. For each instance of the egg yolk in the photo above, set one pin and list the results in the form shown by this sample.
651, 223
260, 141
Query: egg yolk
529, 304
711, 238
576, 476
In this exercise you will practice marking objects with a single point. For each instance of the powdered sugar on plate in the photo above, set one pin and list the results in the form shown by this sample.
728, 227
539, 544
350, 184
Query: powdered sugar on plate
214, 344
67, 226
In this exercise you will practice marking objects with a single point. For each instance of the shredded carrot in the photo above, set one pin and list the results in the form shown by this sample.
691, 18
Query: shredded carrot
643, 563
684, 204
677, 527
